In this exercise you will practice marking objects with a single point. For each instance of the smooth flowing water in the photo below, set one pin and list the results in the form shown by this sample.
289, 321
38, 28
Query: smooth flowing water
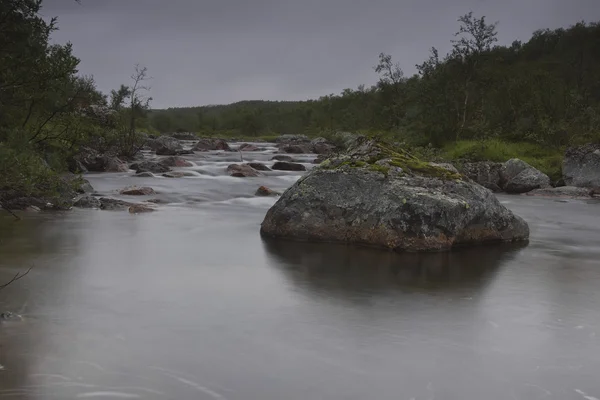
190, 303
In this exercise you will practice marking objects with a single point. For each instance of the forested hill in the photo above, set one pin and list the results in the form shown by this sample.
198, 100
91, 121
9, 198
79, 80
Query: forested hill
544, 91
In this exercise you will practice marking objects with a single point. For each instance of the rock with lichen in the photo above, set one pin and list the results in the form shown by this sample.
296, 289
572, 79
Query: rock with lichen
378, 195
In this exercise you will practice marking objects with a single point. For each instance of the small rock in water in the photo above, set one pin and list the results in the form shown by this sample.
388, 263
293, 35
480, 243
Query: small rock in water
178, 174
149, 166
144, 175
107, 203
175, 162
140, 208
288, 166
137, 191
265, 191
242, 171
248, 147
10, 316
258, 166
282, 157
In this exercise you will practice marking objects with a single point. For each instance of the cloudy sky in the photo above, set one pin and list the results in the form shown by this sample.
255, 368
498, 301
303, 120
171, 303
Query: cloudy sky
220, 51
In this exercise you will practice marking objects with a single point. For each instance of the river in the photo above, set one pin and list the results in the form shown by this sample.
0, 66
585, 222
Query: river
189, 302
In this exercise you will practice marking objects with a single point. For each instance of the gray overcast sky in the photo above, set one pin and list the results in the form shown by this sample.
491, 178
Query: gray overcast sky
221, 51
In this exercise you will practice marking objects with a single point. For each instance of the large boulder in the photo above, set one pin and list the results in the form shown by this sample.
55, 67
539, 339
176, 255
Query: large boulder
211, 145
92, 160
288, 166
581, 166
167, 146
242, 171
516, 176
380, 196
486, 173
150, 166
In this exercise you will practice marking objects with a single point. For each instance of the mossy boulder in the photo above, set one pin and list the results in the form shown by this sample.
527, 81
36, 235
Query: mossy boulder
379, 195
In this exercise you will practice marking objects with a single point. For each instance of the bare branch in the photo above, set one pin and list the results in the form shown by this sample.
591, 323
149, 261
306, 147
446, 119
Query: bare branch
8, 210
15, 278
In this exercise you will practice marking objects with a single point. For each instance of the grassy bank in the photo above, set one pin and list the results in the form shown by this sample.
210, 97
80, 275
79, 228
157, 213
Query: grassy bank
547, 160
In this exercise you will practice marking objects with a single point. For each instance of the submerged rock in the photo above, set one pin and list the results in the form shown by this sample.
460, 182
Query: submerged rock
563, 191
141, 208
265, 192
282, 157
581, 166
138, 191
519, 177
175, 162
144, 175
107, 203
486, 173
258, 166
178, 174
288, 166
242, 171
149, 166
380, 196
211, 145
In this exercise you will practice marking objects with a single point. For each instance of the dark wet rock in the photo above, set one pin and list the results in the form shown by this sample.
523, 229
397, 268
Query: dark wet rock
486, 173
282, 157
176, 162
144, 175
563, 191
381, 196
248, 147
266, 192
288, 166
137, 191
516, 176
242, 171
149, 166
107, 203
10, 316
85, 187
258, 166
581, 166
178, 174
141, 208
87, 201
211, 145
184, 135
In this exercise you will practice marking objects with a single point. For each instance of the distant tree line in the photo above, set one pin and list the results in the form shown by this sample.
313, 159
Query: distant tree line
544, 91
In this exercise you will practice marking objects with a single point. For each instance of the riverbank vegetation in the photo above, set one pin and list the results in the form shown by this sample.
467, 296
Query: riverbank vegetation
481, 100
